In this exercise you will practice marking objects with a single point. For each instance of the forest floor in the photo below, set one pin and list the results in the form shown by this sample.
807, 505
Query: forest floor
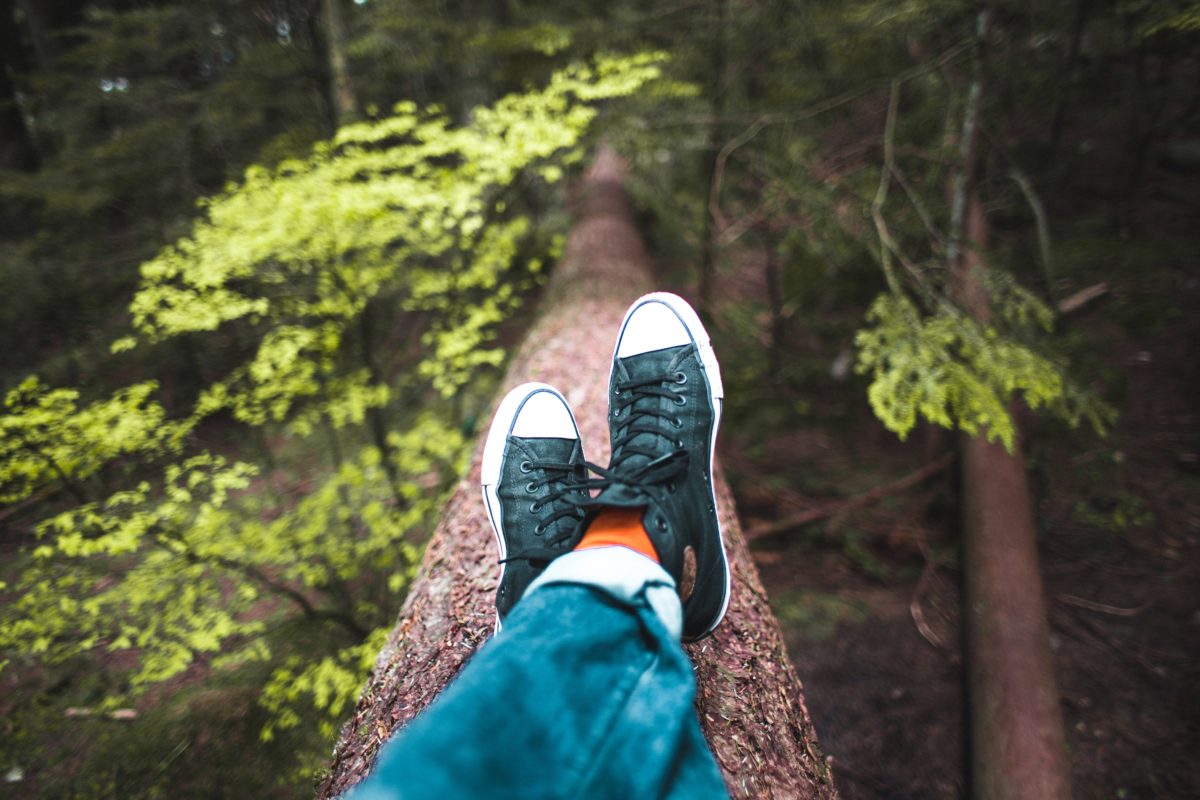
869, 597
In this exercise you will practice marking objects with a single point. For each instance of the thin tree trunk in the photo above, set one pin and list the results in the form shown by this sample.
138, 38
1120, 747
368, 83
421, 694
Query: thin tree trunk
377, 422
36, 29
1017, 742
749, 699
1067, 80
1018, 748
341, 87
772, 276
18, 149
709, 251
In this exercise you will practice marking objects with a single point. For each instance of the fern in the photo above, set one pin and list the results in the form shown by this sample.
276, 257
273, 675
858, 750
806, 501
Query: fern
947, 368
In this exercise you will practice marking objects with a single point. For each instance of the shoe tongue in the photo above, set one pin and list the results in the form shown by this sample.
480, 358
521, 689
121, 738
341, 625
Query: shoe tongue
560, 450
654, 362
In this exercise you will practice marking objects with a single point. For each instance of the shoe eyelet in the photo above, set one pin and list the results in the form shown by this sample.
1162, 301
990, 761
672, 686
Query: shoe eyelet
531, 487
534, 508
526, 466
661, 524
681, 378
679, 442
680, 400
677, 423
539, 529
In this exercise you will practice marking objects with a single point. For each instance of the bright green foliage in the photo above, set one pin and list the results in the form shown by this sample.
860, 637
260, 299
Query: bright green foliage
1181, 18
333, 684
46, 438
1114, 513
542, 37
183, 573
166, 602
1019, 308
951, 370
406, 205
185, 559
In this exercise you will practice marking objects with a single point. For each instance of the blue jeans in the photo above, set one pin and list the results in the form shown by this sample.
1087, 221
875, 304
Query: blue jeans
585, 693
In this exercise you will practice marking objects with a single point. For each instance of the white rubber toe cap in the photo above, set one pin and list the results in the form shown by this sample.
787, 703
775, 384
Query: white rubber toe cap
544, 415
531, 411
652, 325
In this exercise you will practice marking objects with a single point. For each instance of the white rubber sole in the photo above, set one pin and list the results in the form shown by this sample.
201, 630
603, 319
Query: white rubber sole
712, 372
492, 467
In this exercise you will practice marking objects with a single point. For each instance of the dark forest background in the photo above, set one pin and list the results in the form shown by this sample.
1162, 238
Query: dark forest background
261, 264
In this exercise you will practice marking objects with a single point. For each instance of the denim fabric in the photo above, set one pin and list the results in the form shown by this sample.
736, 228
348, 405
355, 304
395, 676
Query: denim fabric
583, 694
623, 574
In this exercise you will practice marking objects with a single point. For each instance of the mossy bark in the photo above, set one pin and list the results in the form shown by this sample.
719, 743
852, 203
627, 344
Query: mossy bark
749, 698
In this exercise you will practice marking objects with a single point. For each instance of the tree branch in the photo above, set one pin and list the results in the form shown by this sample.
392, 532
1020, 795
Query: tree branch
72, 487
1081, 298
788, 524
1104, 608
886, 244
1043, 226
255, 574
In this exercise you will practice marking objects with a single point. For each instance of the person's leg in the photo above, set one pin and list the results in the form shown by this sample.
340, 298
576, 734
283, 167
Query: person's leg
586, 692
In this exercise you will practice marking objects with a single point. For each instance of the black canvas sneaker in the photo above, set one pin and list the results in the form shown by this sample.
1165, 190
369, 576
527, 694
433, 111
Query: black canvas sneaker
533, 486
665, 398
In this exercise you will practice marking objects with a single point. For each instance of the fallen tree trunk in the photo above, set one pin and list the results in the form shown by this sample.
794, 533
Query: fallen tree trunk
749, 698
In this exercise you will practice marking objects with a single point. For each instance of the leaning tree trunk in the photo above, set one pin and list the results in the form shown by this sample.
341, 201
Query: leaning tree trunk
749, 699
1018, 746
1017, 742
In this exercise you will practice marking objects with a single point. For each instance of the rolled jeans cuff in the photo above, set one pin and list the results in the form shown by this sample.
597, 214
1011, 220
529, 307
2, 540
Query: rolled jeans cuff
621, 573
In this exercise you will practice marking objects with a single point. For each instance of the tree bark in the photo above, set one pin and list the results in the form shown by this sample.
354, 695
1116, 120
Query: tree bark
1066, 82
1018, 748
749, 699
18, 149
343, 101
709, 230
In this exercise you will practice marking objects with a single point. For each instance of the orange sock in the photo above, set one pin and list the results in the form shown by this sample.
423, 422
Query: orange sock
619, 526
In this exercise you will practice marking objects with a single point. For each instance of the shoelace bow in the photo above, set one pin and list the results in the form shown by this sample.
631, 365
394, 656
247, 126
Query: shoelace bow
640, 396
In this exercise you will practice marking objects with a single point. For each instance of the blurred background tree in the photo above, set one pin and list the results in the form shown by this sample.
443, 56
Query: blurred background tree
232, 496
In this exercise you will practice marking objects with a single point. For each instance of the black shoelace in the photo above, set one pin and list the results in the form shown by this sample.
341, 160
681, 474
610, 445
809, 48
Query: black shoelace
638, 401
636, 412
567, 497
